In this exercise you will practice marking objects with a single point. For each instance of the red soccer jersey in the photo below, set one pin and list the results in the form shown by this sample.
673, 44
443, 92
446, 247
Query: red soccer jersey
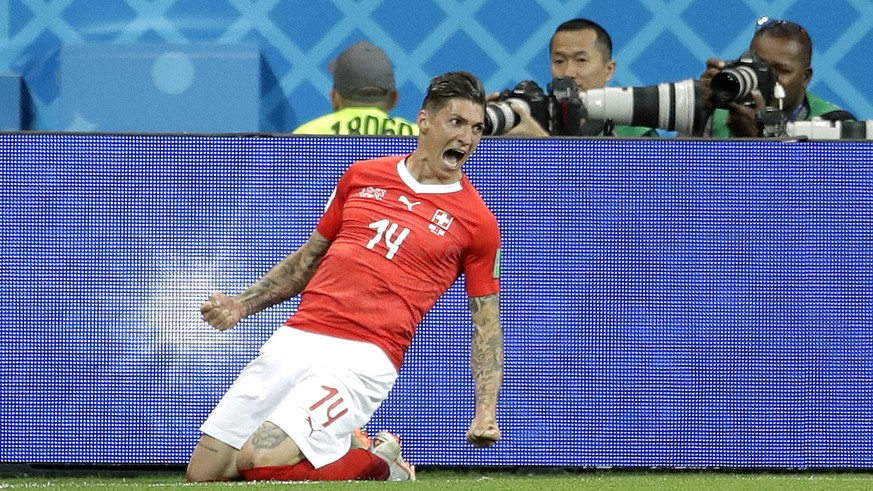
397, 246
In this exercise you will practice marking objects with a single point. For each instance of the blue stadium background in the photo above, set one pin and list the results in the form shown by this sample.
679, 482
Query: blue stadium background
503, 41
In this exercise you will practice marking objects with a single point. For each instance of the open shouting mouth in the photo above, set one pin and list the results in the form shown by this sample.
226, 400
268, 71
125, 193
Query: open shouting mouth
453, 157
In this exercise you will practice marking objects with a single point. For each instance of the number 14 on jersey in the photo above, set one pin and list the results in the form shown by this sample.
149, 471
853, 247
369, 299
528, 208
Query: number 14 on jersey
385, 229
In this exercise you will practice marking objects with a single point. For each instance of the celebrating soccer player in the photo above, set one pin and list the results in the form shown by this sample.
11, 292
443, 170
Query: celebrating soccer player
396, 234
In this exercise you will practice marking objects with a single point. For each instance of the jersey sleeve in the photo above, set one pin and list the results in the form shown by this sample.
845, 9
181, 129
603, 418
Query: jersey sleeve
330, 222
482, 261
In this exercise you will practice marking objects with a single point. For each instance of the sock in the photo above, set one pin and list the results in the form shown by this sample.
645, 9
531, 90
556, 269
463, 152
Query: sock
357, 464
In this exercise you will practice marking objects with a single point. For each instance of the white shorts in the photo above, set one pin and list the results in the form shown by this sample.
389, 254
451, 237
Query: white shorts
317, 389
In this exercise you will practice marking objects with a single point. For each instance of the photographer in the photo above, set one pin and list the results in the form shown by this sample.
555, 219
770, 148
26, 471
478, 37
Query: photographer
582, 50
787, 48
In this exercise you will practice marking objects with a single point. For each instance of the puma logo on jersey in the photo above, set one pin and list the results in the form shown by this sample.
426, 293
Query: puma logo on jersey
409, 204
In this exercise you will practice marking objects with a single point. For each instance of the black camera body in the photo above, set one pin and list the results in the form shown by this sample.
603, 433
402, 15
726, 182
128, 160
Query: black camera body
736, 81
527, 96
559, 111
565, 107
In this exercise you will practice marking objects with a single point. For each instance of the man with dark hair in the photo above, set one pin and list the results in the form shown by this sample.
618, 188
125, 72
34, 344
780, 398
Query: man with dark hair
582, 50
396, 233
787, 48
362, 96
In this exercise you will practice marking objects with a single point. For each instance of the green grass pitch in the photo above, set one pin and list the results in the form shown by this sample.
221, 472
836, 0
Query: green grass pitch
486, 480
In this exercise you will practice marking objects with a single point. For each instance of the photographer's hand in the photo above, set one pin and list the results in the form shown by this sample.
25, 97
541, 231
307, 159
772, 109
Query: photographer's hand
743, 120
713, 66
527, 126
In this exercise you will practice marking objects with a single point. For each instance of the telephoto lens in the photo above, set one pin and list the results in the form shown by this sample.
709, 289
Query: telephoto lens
736, 81
820, 129
733, 84
668, 106
500, 117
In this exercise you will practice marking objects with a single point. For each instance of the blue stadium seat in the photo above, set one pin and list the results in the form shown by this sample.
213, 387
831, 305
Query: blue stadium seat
160, 88
12, 102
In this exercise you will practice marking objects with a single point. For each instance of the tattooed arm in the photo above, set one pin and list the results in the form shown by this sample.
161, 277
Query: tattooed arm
286, 280
487, 362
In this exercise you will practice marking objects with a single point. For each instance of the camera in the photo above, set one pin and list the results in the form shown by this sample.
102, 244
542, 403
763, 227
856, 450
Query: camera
559, 111
736, 81
527, 96
668, 106
566, 108
822, 129
677, 106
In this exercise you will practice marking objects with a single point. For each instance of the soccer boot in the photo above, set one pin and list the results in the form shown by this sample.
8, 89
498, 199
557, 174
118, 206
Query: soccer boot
387, 446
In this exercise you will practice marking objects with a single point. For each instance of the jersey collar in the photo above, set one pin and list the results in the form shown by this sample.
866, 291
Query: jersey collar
420, 188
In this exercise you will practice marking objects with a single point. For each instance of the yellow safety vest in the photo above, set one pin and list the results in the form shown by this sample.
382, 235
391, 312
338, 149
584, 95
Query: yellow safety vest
358, 121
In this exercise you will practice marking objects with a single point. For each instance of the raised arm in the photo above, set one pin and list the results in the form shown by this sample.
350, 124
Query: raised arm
487, 364
284, 281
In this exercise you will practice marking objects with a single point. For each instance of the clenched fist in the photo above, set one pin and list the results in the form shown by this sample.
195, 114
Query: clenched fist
483, 431
222, 312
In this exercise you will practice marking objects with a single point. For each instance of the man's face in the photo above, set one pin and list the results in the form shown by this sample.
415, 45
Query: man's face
575, 54
449, 136
786, 58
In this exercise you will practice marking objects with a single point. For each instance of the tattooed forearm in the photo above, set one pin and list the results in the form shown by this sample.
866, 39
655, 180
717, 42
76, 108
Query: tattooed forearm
487, 359
485, 310
288, 278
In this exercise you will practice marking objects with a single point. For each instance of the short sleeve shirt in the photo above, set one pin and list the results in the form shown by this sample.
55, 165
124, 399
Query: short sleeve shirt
397, 246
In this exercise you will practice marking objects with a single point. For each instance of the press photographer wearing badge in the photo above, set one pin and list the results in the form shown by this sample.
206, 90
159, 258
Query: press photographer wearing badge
581, 59
781, 50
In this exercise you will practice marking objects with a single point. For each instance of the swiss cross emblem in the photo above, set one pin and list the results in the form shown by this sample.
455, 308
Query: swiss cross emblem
440, 222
